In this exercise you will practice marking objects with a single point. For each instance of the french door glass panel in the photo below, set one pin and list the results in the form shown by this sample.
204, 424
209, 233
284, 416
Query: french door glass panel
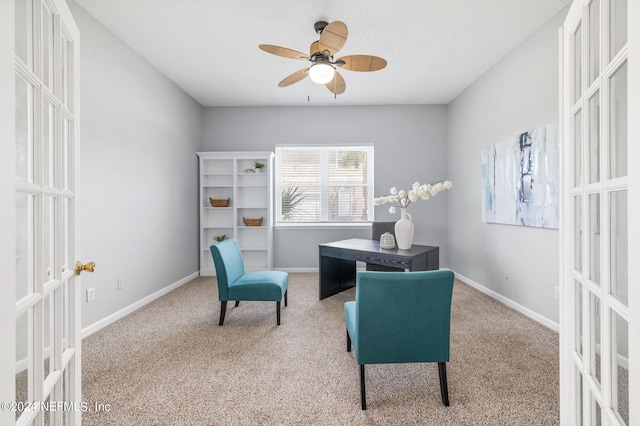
618, 247
577, 143
66, 154
24, 245
48, 335
618, 123
620, 359
579, 413
24, 132
48, 37
66, 319
595, 337
65, 70
577, 237
594, 137
594, 40
24, 366
617, 25
23, 31
48, 144
577, 63
48, 238
67, 263
594, 238
579, 338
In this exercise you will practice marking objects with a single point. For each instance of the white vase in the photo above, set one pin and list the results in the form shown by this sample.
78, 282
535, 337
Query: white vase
404, 230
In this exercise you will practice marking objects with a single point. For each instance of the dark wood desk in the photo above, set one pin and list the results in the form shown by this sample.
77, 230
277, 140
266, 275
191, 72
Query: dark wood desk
338, 261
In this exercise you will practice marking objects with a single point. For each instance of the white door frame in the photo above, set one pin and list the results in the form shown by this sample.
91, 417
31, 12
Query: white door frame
634, 208
7, 207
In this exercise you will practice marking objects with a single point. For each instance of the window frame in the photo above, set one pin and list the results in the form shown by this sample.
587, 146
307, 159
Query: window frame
324, 165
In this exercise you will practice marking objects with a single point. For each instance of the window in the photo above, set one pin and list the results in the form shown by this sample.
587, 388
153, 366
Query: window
328, 184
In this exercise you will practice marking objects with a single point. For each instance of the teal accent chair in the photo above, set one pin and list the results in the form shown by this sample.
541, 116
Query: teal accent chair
236, 284
401, 317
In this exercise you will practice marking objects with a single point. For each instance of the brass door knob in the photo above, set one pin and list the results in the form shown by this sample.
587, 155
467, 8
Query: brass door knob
89, 267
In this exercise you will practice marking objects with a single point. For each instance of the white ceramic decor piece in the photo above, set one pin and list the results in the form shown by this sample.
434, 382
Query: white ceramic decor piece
387, 241
404, 230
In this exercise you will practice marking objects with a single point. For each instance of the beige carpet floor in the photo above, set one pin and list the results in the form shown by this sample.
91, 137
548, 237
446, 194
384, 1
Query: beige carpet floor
169, 363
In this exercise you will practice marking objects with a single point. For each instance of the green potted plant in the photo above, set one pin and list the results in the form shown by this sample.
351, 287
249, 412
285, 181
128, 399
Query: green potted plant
220, 238
291, 197
258, 166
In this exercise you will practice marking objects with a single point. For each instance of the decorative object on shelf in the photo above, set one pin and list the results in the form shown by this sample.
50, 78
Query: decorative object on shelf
217, 202
220, 238
404, 227
249, 171
258, 166
387, 241
252, 221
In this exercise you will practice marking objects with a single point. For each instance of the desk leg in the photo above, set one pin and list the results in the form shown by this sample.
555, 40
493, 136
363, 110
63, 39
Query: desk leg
336, 275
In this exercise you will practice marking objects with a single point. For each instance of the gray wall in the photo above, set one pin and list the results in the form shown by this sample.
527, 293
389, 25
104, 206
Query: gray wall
517, 94
140, 133
409, 146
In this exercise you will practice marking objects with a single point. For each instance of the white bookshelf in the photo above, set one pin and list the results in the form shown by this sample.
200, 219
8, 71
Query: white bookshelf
223, 175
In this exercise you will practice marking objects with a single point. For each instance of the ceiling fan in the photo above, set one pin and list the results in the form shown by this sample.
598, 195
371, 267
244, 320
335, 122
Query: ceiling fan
323, 66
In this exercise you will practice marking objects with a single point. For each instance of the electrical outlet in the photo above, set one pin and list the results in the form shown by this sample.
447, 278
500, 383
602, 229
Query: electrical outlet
91, 294
120, 283
557, 293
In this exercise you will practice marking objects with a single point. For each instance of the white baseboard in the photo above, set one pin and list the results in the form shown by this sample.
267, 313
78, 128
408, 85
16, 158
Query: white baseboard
89, 330
510, 303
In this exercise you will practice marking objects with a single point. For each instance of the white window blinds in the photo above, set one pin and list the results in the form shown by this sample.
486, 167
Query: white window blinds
328, 184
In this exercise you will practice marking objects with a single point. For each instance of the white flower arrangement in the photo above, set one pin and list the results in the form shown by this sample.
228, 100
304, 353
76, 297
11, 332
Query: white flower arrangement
417, 192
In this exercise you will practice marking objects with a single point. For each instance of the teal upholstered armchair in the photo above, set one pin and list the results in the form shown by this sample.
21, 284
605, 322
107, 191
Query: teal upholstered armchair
401, 317
235, 284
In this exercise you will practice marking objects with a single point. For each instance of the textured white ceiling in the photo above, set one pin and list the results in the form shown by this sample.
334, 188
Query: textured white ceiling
434, 48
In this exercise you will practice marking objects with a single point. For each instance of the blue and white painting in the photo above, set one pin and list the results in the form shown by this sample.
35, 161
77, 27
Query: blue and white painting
520, 179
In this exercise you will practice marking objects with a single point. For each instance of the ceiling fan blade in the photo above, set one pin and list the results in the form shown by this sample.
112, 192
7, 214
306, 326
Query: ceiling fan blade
283, 51
363, 63
336, 86
293, 78
333, 37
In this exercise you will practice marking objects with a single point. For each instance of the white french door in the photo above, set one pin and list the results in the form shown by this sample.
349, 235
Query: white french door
597, 324
47, 303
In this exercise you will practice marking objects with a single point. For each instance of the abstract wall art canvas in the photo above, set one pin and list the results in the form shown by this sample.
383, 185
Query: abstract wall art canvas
520, 179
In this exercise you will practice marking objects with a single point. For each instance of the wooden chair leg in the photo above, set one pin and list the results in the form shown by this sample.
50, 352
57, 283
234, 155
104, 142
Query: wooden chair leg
237, 303
444, 389
223, 311
278, 311
363, 394
285, 297
348, 341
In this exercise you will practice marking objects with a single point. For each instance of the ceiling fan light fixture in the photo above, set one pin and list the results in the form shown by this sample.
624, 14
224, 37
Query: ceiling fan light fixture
321, 73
